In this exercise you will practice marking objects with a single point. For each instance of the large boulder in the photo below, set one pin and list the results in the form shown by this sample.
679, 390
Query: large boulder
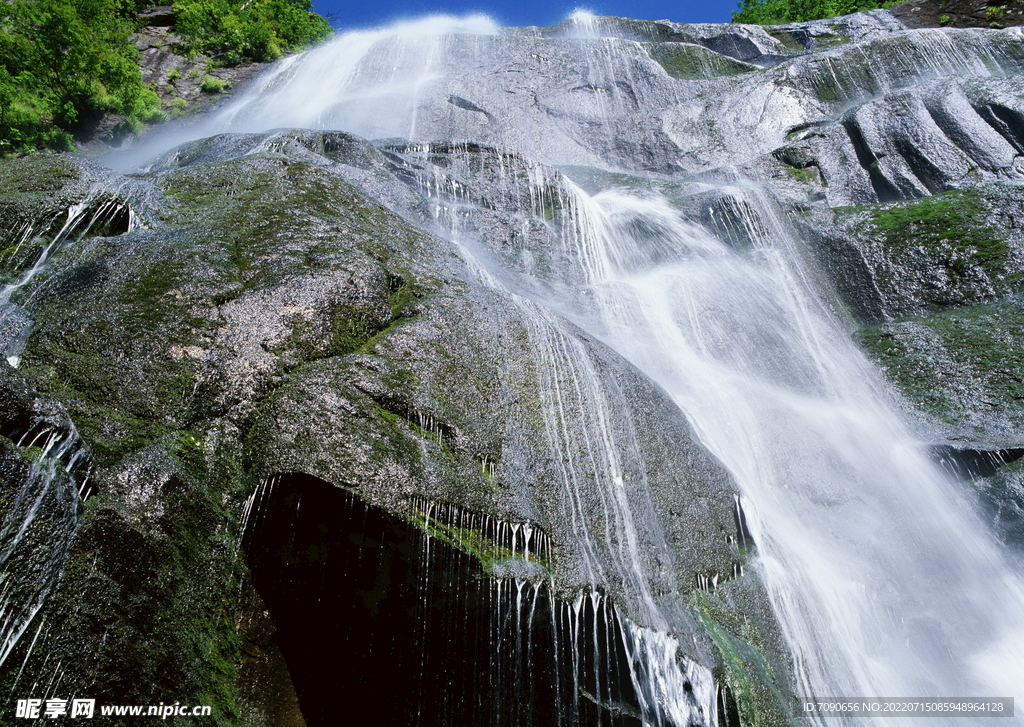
275, 314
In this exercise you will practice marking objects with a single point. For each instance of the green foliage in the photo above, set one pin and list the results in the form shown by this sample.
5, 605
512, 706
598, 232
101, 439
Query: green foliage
62, 63
214, 85
233, 31
776, 12
65, 63
154, 116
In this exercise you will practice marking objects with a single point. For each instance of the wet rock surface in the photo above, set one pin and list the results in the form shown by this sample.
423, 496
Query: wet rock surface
272, 317
959, 13
294, 302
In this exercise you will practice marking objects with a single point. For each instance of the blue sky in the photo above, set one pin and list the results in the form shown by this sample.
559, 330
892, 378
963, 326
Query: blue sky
369, 13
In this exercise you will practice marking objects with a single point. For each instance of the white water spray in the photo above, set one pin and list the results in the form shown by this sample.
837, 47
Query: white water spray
373, 80
885, 581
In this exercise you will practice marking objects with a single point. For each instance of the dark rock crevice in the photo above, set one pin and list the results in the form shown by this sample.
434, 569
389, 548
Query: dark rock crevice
1009, 122
885, 190
415, 623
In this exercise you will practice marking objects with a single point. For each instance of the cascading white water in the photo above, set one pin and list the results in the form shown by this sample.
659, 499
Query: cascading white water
422, 80
365, 71
884, 581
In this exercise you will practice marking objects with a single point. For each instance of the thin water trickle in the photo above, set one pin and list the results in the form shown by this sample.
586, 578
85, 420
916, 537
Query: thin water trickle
37, 531
99, 210
41, 518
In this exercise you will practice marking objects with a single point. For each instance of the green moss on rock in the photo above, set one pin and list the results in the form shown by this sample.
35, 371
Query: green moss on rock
37, 174
923, 256
747, 672
125, 332
951, 225
686, 61
962, 366
488, 552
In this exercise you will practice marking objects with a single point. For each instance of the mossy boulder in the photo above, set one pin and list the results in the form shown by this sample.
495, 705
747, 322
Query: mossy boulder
894, 260
284, 308
687, 61
961, 367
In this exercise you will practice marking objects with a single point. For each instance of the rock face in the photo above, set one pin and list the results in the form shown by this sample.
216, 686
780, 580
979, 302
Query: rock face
959, 14
272, 318
309, 309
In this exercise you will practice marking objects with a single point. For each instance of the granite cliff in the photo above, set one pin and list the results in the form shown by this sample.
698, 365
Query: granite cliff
395, 316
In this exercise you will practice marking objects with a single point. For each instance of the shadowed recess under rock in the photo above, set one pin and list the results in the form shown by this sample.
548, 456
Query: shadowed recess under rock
403, 615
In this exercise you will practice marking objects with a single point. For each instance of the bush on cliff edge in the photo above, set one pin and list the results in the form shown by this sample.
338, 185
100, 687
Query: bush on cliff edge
63, 62
237, 30
66, 63
776, 12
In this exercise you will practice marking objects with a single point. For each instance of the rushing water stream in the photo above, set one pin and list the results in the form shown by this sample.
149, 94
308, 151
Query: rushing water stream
884, 580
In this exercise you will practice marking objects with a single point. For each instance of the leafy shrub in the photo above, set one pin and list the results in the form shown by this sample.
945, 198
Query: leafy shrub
62, 64
65, 63
155, 116
776, 12
237, 30
214, 85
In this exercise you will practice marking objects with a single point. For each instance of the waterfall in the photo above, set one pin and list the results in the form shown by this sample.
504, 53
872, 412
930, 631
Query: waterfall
38, 530
596, 452
885, 582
